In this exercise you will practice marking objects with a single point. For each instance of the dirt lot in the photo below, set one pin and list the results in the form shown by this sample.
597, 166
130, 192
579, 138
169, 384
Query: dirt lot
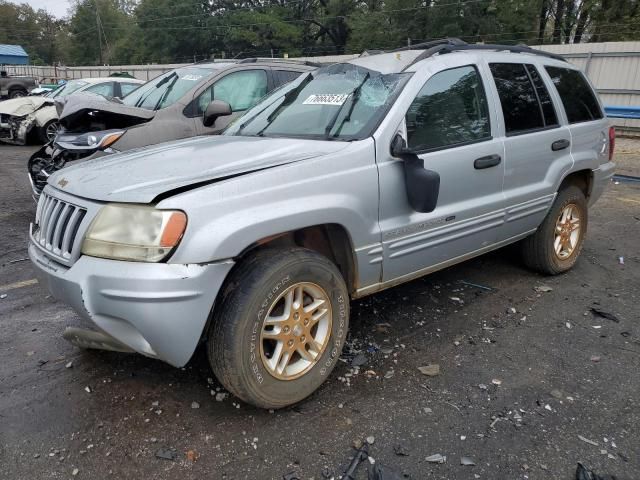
515, 390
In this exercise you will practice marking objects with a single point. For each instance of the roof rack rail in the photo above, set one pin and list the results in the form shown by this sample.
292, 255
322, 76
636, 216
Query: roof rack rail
449, 45
279, 60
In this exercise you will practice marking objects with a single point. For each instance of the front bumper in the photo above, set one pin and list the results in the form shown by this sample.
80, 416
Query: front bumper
601, 178
157, 309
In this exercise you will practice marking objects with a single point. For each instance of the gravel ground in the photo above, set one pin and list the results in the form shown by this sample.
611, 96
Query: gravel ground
523, 375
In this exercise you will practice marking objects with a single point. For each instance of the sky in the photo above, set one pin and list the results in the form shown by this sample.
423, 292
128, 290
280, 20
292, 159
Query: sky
57, 8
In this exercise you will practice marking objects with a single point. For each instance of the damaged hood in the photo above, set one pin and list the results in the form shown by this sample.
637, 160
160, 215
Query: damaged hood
73, 108
22, 106
139, 176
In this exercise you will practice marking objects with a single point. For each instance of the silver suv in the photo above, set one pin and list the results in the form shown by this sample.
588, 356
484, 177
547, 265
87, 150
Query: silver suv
354, 178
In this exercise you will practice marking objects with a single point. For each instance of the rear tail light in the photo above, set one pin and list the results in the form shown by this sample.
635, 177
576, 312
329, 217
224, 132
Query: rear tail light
612, 141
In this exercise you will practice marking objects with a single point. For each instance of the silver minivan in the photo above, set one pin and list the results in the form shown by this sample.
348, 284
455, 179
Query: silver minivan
354, 178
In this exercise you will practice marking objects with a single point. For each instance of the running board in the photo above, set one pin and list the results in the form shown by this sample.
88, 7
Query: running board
96, 340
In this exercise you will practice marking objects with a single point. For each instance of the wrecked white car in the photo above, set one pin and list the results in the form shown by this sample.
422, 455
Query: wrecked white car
25, 116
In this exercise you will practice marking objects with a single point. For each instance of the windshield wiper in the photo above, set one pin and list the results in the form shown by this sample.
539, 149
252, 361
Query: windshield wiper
354, 95
166, 93
288, 99
141, 101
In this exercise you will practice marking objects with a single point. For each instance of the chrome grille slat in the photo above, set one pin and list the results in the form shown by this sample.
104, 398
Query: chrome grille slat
57, 226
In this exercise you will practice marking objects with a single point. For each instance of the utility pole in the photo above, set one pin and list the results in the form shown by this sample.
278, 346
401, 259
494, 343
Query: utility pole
99, 36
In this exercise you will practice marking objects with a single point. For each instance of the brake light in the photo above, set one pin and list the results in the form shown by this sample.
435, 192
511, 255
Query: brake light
612, 141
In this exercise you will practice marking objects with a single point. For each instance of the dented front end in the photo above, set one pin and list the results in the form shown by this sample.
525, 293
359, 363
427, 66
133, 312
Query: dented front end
15, 129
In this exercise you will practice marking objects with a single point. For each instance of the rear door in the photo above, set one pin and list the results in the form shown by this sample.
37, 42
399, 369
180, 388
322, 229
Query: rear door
449, 125
537, 145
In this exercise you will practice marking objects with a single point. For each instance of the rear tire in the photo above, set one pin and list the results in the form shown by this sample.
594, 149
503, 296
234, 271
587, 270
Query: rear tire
554, 248
279, 307
17, 93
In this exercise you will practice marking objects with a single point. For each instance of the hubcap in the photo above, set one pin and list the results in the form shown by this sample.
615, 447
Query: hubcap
567, 232
296, 331
52, 130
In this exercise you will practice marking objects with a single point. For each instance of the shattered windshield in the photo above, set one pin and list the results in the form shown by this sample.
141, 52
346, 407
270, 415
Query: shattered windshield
68, 88
338, 102
167, 89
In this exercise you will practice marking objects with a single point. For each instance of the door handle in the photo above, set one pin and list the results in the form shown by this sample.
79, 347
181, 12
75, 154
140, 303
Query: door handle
560, 144
487, 162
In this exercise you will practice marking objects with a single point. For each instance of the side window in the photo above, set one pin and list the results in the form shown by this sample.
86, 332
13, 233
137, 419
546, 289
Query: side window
241, 90
104, 89
578, 99
127, 88
450, 109
285, 76
519, 98
546, 104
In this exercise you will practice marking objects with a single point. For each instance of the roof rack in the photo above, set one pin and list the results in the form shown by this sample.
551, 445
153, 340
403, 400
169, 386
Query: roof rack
449, 45
279, 60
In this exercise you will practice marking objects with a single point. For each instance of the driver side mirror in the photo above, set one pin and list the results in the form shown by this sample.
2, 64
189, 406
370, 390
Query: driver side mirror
217, 108
422, 185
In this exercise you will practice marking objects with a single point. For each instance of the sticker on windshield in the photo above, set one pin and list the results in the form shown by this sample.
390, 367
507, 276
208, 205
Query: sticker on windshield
326, 99
193, 78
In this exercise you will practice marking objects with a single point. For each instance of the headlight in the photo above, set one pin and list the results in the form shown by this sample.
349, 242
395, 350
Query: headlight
134, 232
98, 140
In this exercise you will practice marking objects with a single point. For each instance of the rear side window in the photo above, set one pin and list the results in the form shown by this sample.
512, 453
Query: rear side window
285, 76
450, 109
526, 104
576, 94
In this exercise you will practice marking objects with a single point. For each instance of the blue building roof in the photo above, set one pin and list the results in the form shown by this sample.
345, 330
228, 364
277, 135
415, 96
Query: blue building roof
13, 50
13, 55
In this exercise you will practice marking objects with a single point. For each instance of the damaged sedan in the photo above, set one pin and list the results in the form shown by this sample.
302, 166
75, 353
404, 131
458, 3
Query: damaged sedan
37, 115
198, 99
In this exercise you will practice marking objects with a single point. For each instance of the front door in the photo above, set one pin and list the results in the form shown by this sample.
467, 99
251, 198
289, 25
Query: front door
448, 125
241, 90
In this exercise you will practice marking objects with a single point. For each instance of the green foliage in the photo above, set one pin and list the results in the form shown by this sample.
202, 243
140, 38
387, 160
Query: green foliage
166, 31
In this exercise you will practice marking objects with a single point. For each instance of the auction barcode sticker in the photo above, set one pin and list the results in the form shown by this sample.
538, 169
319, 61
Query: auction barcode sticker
326, 99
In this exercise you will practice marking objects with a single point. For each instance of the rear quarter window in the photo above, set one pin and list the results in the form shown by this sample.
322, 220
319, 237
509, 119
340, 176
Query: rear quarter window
576, 94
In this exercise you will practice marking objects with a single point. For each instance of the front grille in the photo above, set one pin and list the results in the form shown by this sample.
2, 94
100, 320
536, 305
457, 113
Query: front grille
57, 224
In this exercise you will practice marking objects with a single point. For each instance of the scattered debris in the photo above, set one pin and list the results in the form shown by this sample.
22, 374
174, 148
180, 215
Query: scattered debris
467, 461
436, 458
3, 296
75, 472
595, 358
431, 370
477, 285
359, 360
583, 473
370, 439
167, 453
401, 450
361, 454
496, 381
195, 405
586, 440
621, 260
511, 310
556, 394
427, 410
69, 365
192, 455
87, 389
482, 386
542, 288
601, 313
456, 299
220, 396
548, 407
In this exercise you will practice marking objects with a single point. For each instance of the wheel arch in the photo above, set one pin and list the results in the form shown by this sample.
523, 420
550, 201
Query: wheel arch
583, 179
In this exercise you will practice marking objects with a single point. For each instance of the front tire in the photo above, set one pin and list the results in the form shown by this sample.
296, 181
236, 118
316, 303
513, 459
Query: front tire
280, 328
554, 248
49, 131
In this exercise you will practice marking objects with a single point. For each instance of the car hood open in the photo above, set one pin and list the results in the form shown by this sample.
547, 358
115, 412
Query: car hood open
142, 175
76, 112
22, 106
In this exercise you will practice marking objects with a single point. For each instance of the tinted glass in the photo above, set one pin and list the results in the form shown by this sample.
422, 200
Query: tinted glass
518, 98
286, 76
241, 90
578, 99
68, 88
450, 109
548, 112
